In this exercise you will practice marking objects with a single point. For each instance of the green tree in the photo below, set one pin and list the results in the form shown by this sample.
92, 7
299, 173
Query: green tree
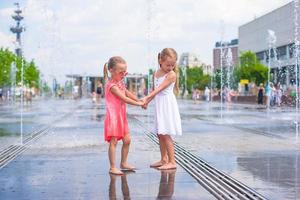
31, 72
218, 78
248, 59
47, 89
6, 60
149, 79
197, 79
259, 74
228, 78
31, 75
250, 68
181, 77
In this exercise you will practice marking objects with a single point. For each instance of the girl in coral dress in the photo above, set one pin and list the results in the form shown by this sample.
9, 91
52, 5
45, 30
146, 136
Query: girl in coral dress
115, 124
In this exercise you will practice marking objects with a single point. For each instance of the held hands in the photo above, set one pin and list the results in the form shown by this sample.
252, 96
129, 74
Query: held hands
141, 102
145, 101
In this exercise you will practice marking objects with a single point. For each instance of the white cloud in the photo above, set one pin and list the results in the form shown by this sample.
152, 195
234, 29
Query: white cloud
6, 41
6, 12
79, 36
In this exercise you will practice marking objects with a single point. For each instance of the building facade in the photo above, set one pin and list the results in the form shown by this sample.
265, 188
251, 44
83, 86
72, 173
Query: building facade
279, 25
190, 60
229, 50
86, 84
193, 60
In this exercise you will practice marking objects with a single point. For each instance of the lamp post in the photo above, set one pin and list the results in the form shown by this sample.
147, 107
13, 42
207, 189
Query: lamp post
18, 29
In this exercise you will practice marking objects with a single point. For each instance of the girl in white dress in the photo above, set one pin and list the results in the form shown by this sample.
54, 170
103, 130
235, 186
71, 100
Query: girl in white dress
167, 117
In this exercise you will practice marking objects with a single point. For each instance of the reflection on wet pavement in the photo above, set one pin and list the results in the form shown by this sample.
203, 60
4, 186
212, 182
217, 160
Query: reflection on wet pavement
165, 187
166, 184
124, 186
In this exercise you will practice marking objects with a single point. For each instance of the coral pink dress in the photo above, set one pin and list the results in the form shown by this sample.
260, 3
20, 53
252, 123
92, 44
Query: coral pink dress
115, 124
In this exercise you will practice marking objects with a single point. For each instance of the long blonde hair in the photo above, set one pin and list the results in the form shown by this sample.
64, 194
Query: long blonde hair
113, 61
111, 64
105, 73
170, 52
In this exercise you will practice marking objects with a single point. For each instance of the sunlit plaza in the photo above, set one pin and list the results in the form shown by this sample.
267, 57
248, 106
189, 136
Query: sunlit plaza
237, 90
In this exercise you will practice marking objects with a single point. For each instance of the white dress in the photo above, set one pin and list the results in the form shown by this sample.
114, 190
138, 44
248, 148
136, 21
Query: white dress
167, 118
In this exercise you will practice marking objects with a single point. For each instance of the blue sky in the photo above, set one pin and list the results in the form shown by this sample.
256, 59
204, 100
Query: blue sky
79, 36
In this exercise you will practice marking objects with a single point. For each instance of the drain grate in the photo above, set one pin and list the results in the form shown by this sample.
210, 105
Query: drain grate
12, 151
218, 183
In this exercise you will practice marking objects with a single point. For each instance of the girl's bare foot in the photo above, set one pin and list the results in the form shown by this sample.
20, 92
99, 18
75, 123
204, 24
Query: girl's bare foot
167, 166
115, 171
158, 164
126, 166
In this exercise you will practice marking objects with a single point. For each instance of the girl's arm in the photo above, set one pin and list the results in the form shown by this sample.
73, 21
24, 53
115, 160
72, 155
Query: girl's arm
171, 77
117, 92
130, 95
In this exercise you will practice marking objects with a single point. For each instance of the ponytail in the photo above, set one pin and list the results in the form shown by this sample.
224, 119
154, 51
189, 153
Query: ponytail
111, 64
105, 73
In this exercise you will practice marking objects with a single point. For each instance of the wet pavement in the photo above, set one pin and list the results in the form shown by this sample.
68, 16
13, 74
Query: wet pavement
260, 148
71, 162
34, 116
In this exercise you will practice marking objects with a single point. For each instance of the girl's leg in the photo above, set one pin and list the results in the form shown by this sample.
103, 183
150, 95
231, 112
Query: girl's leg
124, 153
171, 154
112, 156
163, 153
